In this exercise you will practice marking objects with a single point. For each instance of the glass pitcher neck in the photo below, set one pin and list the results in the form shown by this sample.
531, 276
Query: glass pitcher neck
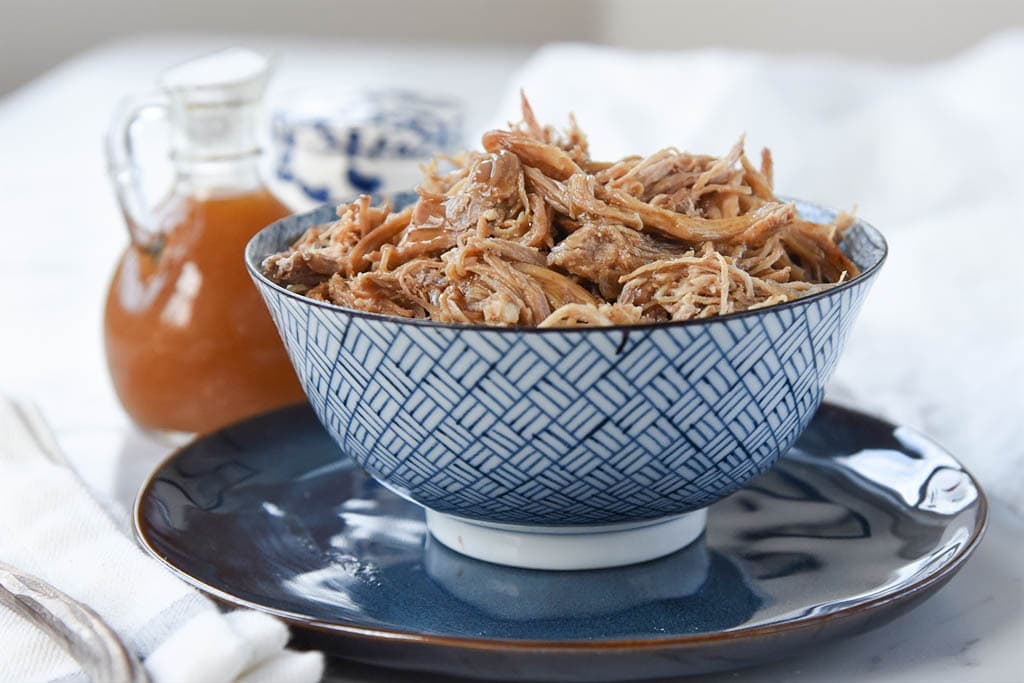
204, 178
215, 146
214, 132
214, 104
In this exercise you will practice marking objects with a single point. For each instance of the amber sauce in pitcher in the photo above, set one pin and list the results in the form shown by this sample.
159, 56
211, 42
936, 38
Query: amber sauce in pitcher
190, 344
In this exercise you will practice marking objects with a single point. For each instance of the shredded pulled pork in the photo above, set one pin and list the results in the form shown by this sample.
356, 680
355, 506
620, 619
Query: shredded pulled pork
533, 232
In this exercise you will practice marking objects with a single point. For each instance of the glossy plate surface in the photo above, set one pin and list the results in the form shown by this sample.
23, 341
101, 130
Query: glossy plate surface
859, 522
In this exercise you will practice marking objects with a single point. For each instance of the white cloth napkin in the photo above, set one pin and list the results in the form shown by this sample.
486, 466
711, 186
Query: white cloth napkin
931, 154
51, 526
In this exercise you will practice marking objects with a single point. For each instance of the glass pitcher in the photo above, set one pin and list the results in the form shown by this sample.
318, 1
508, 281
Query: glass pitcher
189, 343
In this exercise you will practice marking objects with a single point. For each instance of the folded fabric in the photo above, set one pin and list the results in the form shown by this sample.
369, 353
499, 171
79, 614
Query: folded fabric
931, 154
51, 527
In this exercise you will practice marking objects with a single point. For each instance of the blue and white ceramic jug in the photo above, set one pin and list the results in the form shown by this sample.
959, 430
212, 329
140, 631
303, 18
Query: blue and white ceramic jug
332, 149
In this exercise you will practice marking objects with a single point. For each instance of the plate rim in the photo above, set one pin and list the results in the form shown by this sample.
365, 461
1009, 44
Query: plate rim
893, 596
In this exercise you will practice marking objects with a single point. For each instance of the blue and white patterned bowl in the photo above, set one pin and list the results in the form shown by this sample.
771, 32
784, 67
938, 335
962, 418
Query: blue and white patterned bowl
603, 428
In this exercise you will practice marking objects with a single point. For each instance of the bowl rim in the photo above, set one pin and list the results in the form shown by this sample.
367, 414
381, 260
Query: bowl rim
874, 234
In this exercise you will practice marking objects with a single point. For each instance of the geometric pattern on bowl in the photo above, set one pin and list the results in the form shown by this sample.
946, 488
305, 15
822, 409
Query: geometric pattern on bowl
577, 426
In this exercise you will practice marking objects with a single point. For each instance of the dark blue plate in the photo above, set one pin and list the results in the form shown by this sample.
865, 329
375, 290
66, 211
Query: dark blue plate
857, 524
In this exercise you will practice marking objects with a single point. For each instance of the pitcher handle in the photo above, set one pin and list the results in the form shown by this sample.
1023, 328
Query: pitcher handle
125, 172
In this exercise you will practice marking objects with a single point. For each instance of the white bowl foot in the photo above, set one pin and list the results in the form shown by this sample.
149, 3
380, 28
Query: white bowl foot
567, 547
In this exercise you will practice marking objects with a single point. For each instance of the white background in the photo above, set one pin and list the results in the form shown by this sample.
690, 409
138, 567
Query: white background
37, 34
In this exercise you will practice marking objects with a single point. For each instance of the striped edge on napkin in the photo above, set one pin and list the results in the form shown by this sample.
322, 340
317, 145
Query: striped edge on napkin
52, 527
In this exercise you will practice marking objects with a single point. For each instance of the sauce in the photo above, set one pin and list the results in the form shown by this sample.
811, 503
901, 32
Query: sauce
189, 342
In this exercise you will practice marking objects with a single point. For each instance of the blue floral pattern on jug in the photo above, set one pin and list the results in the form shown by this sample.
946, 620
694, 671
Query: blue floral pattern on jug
370, 143
570, 426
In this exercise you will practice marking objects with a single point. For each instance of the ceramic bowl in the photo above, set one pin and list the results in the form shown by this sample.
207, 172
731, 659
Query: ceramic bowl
566, 448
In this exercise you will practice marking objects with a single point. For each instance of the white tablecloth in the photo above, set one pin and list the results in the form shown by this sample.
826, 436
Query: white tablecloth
63, 232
